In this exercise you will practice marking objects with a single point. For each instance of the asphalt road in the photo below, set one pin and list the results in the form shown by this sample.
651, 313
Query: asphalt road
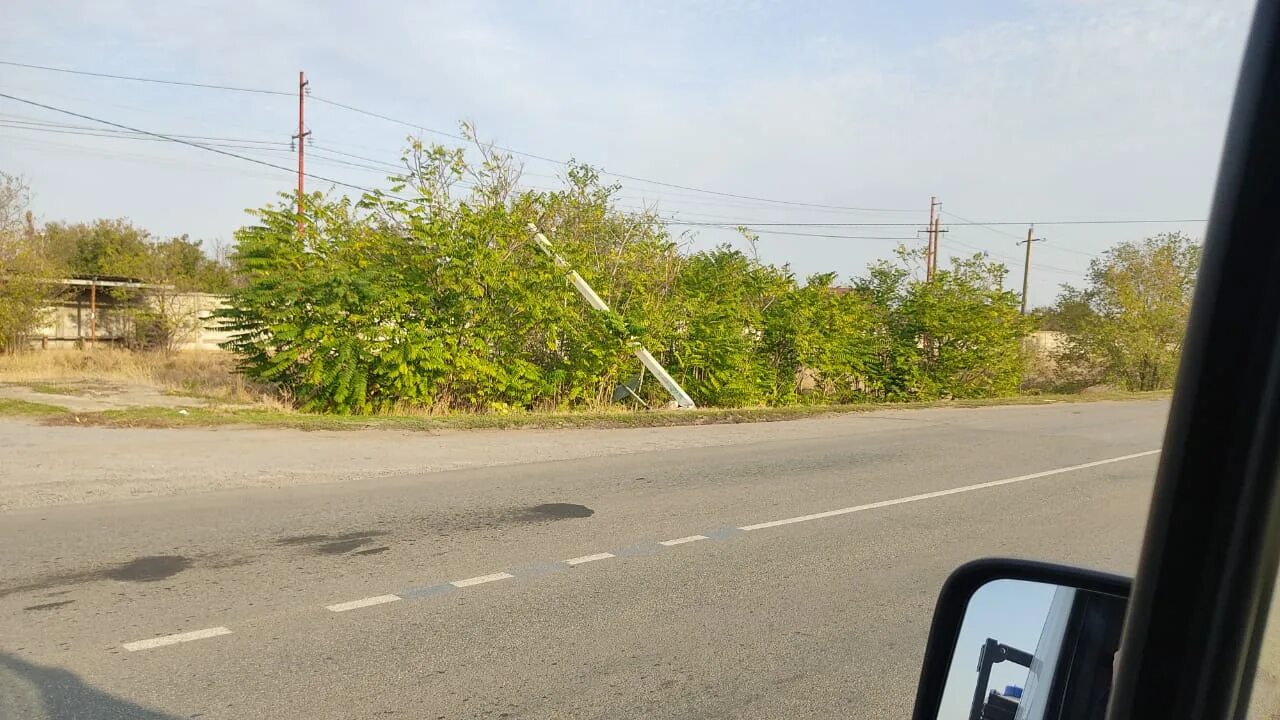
447, 595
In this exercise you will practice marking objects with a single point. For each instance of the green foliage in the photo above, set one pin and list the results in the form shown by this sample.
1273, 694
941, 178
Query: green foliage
426, 296
958, 335
119, 248
25, 271
1126, 327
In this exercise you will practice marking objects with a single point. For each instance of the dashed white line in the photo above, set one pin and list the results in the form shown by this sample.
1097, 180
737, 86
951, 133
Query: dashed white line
683, 540
588, 558
175, 639
362, 603
493, 577
943, 493
482, 579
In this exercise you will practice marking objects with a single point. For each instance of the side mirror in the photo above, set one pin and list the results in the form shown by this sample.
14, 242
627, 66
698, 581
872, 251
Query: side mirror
1021, 640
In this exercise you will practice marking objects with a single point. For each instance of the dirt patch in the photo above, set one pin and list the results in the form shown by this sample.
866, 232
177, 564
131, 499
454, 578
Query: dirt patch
95, 395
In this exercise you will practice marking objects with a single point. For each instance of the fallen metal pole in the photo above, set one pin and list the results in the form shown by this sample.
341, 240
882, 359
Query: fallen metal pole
646, 358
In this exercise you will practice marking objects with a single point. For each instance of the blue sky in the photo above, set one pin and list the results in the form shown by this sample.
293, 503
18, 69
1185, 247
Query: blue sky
1008, 111
1012, 612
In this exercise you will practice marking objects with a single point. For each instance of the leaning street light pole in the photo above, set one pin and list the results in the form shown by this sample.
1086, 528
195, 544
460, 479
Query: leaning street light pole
646, 358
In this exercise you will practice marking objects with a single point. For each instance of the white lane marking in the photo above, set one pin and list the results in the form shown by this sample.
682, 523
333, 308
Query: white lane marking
482, 579
944, 493
363, 602
683, 540
175, 639
588, 558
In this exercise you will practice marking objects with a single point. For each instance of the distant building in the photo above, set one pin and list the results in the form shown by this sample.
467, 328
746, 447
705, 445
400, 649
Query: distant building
100, 310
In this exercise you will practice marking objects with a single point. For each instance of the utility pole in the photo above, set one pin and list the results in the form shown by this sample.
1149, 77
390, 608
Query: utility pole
933, 234
644, 356
301, 139
1026, 267
937, 236
931, 247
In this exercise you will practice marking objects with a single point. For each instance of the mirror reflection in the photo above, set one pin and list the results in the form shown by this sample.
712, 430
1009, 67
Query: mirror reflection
1033, 651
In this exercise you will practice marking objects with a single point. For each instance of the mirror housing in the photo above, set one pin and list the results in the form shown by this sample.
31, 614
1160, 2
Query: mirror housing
953, 605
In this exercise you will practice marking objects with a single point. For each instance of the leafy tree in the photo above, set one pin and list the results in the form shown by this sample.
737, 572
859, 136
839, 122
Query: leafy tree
957, 335
1138, 300
433, 294
822, 335
102, 247
1068, 314
25, 270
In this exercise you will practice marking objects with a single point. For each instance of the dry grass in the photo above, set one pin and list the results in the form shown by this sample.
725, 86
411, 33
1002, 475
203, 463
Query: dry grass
154, 417
235, 401
198, 373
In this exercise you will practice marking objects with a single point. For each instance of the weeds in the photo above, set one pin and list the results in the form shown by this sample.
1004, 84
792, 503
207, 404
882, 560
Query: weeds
194, 373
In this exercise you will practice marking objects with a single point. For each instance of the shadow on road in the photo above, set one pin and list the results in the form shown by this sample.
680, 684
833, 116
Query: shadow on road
48, 693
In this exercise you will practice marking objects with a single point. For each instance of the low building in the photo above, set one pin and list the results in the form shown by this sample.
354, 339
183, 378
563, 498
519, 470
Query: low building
101, 310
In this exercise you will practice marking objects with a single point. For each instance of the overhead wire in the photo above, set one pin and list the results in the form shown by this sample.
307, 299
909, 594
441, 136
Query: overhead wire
181, 141
212, 144
388, 118
135, 78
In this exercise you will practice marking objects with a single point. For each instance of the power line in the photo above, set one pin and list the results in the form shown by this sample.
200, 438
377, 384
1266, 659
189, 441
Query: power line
668, 221
963, 223
182, 142
89, 133
73, 129
134, 78
388, 118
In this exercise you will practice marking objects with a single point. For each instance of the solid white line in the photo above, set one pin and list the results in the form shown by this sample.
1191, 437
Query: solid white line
363, 602
683, 540
175, 639
481, 580
944, 493
588, 558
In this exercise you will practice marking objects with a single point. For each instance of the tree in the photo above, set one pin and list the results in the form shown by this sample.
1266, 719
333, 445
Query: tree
428, 296
956, 335
111, 247
25, 271
1138, 300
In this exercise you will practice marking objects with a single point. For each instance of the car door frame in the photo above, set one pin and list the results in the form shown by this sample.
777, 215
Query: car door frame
1209, 556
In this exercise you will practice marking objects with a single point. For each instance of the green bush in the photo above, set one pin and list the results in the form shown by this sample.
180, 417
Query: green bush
423, 296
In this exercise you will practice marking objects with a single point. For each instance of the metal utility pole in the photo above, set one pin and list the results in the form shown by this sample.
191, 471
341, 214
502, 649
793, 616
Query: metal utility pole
1026, 267
302, 145
648, 360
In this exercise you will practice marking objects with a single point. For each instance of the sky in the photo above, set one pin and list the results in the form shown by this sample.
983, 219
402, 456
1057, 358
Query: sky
1012, 612
1008, 111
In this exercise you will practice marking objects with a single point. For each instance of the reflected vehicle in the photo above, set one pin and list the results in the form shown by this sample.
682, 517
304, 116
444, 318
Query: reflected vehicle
1015, 640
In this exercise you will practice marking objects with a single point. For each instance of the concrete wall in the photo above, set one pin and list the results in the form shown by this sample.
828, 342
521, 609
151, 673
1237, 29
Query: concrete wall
71, 322
206, 334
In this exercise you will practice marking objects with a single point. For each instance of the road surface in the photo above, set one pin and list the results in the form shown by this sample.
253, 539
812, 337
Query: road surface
788, 575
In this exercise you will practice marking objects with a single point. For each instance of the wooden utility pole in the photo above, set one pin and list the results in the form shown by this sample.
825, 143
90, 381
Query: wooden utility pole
932, 244
1026, 266
302, 145
93, 313
937, 236
933, 233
